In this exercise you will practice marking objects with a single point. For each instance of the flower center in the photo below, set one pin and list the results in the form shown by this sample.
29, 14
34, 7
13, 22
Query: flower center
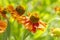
34, 19
20, 10
4, 11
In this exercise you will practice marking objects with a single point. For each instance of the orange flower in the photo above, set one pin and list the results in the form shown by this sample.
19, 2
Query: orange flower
3, 26
32, 23
12, 11
57, 8
3, 12
16, 13
19, 9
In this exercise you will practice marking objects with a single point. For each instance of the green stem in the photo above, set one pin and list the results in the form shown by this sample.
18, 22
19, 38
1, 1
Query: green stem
19, 26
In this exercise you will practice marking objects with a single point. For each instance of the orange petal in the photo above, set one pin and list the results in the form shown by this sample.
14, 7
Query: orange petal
44, 24
10, 8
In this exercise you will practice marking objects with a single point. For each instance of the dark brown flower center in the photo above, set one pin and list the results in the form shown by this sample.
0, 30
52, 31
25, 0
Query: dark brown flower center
34, 19
20, 10
4, 11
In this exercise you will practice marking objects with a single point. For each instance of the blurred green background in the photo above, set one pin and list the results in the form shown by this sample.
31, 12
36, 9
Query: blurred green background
45, 8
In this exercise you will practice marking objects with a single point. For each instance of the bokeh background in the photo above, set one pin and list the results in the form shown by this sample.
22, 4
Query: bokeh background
47, 13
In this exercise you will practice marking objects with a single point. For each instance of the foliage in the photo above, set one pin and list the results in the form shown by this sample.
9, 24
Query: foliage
47, 13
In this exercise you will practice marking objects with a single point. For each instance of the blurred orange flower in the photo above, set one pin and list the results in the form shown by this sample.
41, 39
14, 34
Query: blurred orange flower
57, 8
32, 23
16, 13
3, 26
3, 12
